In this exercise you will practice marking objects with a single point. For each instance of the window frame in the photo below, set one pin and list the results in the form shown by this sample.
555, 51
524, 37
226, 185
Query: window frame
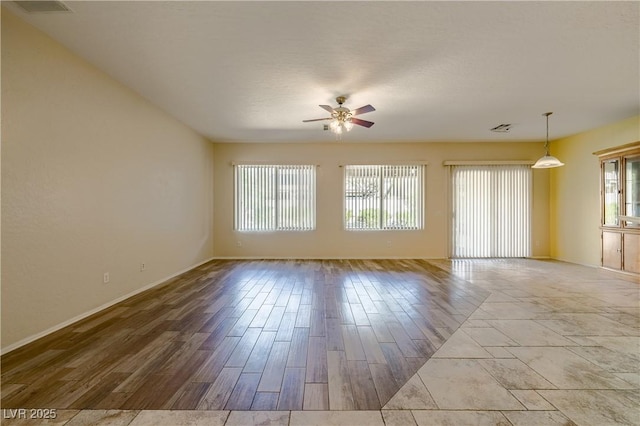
381, 170
276, 195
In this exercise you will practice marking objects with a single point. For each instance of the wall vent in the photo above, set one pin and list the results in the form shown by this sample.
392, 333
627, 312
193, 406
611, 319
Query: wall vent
502, 128
42, 6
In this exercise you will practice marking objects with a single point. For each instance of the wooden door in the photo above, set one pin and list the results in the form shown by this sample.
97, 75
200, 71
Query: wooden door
612, 250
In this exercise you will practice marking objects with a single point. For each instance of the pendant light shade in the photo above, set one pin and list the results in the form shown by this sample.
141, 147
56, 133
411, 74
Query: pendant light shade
548, 161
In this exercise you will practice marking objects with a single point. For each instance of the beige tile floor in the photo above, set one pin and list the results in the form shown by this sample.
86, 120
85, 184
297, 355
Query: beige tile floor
554, 344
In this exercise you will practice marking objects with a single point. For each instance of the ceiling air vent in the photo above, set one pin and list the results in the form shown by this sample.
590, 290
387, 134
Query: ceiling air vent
502, 128
42, 6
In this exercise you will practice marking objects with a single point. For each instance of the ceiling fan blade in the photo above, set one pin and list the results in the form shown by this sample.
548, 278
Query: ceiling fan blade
362, 110
317, 119
364, 123
327, 108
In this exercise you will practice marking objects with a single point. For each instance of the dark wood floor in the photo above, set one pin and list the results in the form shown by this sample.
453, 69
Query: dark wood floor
250, 335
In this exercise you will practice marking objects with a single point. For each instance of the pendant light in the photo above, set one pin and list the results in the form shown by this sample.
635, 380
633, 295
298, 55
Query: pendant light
548, 161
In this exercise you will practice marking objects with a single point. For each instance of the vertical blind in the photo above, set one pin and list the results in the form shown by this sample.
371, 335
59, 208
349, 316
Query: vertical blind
384, 197
275, 197
491, 211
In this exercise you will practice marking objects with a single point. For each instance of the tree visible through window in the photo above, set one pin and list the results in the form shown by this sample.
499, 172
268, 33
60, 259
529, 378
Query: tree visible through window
275, 197
379, 197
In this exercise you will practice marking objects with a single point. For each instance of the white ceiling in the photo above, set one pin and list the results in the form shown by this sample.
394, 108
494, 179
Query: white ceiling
435, 71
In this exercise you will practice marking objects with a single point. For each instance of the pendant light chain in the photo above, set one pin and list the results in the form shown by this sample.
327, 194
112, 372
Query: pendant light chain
546, 145
548, 161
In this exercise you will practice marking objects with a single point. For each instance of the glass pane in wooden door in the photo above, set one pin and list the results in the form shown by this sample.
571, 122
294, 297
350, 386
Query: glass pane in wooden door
611, 187
632, 189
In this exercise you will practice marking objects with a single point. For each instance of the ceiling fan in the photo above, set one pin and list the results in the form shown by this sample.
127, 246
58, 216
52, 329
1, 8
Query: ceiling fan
342, 119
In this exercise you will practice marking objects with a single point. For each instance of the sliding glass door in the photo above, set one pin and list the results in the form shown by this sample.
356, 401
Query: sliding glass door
491, 211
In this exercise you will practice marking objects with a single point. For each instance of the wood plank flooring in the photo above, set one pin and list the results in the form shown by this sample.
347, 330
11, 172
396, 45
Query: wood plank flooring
250, 335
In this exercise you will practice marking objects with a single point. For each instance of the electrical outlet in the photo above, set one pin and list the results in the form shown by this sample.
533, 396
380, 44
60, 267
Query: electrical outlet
239, 243
143, 267
105, 277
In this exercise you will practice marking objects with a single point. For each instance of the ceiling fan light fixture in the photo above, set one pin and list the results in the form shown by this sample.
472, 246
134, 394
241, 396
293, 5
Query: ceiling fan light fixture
547, 161
336, 126
341, 120
348, 125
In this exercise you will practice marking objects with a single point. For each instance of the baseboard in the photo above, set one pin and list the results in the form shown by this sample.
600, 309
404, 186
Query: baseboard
84, 315
625, 275
324, 258
573, 262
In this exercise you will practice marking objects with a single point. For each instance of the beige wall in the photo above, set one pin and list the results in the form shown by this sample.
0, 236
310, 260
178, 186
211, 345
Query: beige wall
94, 179
330, 240
575, 190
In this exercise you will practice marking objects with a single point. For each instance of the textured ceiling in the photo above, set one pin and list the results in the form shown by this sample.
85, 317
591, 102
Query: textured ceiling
435, 71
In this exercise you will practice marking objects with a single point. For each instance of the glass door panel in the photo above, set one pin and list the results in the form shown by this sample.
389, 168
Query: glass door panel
632, 190
611, 189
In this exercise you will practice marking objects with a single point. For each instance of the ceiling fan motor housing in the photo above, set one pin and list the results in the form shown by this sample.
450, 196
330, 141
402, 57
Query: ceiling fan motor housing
342, 114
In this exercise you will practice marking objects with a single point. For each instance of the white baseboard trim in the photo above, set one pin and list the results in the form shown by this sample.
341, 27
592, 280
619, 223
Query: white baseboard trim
590, 265
84, 315
324, 258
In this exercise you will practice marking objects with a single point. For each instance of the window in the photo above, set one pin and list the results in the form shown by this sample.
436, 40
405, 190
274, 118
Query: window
379, 197
275, 197
491, 211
